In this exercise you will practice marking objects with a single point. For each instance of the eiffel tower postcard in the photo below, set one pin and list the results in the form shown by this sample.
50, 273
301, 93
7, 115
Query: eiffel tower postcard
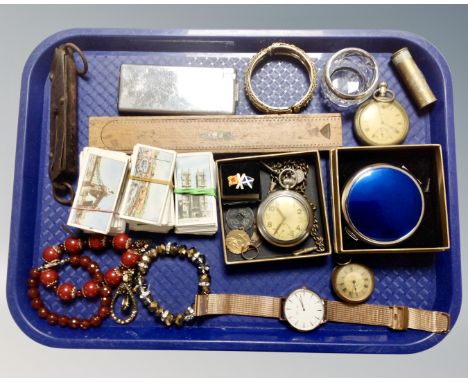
99, 186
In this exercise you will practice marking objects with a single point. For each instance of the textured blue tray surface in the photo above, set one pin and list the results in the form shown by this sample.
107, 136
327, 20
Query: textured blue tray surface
429, 281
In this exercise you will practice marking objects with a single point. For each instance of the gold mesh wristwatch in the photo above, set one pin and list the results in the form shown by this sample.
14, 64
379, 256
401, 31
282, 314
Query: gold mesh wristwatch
305, 310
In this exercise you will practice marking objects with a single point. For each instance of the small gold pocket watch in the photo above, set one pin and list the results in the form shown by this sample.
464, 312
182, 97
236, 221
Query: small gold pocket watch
381, 120
352, 282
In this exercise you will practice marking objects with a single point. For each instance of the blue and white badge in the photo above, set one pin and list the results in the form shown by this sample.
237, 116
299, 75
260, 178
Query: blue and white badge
383, 204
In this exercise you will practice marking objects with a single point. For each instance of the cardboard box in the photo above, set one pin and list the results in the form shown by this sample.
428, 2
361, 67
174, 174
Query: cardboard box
314, 191
425, 163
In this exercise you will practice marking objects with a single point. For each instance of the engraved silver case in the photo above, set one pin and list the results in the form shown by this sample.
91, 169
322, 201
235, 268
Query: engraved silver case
153, 89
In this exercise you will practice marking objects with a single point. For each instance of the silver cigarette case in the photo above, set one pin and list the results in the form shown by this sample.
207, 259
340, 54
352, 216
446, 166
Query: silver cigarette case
152, 89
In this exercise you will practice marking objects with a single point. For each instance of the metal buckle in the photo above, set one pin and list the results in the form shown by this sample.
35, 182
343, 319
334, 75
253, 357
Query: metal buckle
447, 316
400, 317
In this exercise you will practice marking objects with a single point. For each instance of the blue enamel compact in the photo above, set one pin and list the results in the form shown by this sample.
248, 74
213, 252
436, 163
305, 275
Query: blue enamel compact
383, 204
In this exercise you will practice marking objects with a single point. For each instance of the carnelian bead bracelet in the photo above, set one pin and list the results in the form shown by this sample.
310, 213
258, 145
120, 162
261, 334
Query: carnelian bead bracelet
48, 277
99, 284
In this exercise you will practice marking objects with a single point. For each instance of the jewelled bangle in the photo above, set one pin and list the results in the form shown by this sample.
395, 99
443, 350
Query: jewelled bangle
281, 49
171, 250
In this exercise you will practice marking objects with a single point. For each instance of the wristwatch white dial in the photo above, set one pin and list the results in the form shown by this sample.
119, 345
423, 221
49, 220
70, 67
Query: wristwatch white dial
304, 310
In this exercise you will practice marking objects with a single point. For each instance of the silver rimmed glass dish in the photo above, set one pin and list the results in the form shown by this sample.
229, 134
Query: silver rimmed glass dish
350, 77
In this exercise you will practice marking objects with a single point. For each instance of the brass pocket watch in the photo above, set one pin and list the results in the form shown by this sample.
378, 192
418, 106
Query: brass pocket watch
285, 218
352, 282
382, 120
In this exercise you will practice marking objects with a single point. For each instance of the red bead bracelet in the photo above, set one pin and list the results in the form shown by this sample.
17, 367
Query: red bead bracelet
98, 286
48, 277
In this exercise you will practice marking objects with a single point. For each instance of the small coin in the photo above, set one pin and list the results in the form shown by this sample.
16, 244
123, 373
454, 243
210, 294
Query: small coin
237, 241
240, 218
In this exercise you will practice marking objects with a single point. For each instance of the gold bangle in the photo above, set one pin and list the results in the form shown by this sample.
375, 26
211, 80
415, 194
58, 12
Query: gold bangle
281, 49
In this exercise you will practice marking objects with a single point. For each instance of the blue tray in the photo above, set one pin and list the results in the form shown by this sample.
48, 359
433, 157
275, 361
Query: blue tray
429, 281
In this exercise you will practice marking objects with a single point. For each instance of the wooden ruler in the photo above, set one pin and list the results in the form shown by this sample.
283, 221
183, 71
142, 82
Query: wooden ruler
219, 134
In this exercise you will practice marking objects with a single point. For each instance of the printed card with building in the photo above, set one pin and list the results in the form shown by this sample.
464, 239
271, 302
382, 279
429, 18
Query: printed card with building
149, 185
195, 190
102, 174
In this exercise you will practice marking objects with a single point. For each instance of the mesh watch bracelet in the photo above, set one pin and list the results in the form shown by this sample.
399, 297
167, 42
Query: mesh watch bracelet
394, 317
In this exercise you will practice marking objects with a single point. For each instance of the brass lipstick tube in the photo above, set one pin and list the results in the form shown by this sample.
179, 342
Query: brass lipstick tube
413, 78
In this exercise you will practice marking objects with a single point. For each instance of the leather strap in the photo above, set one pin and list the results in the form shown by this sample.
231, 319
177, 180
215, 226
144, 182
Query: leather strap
219, 134
238, 304
395, 317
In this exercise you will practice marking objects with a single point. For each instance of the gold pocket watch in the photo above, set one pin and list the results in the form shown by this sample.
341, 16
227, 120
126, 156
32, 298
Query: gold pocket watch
352, 282
285, 217
381, 120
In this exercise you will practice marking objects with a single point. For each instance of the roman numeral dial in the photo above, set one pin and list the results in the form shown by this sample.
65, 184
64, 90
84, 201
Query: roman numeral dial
353, 283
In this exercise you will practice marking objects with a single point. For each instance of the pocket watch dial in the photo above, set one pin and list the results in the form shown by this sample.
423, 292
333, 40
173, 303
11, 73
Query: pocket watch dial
285, 218
304, 310
353, 283
381, 123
